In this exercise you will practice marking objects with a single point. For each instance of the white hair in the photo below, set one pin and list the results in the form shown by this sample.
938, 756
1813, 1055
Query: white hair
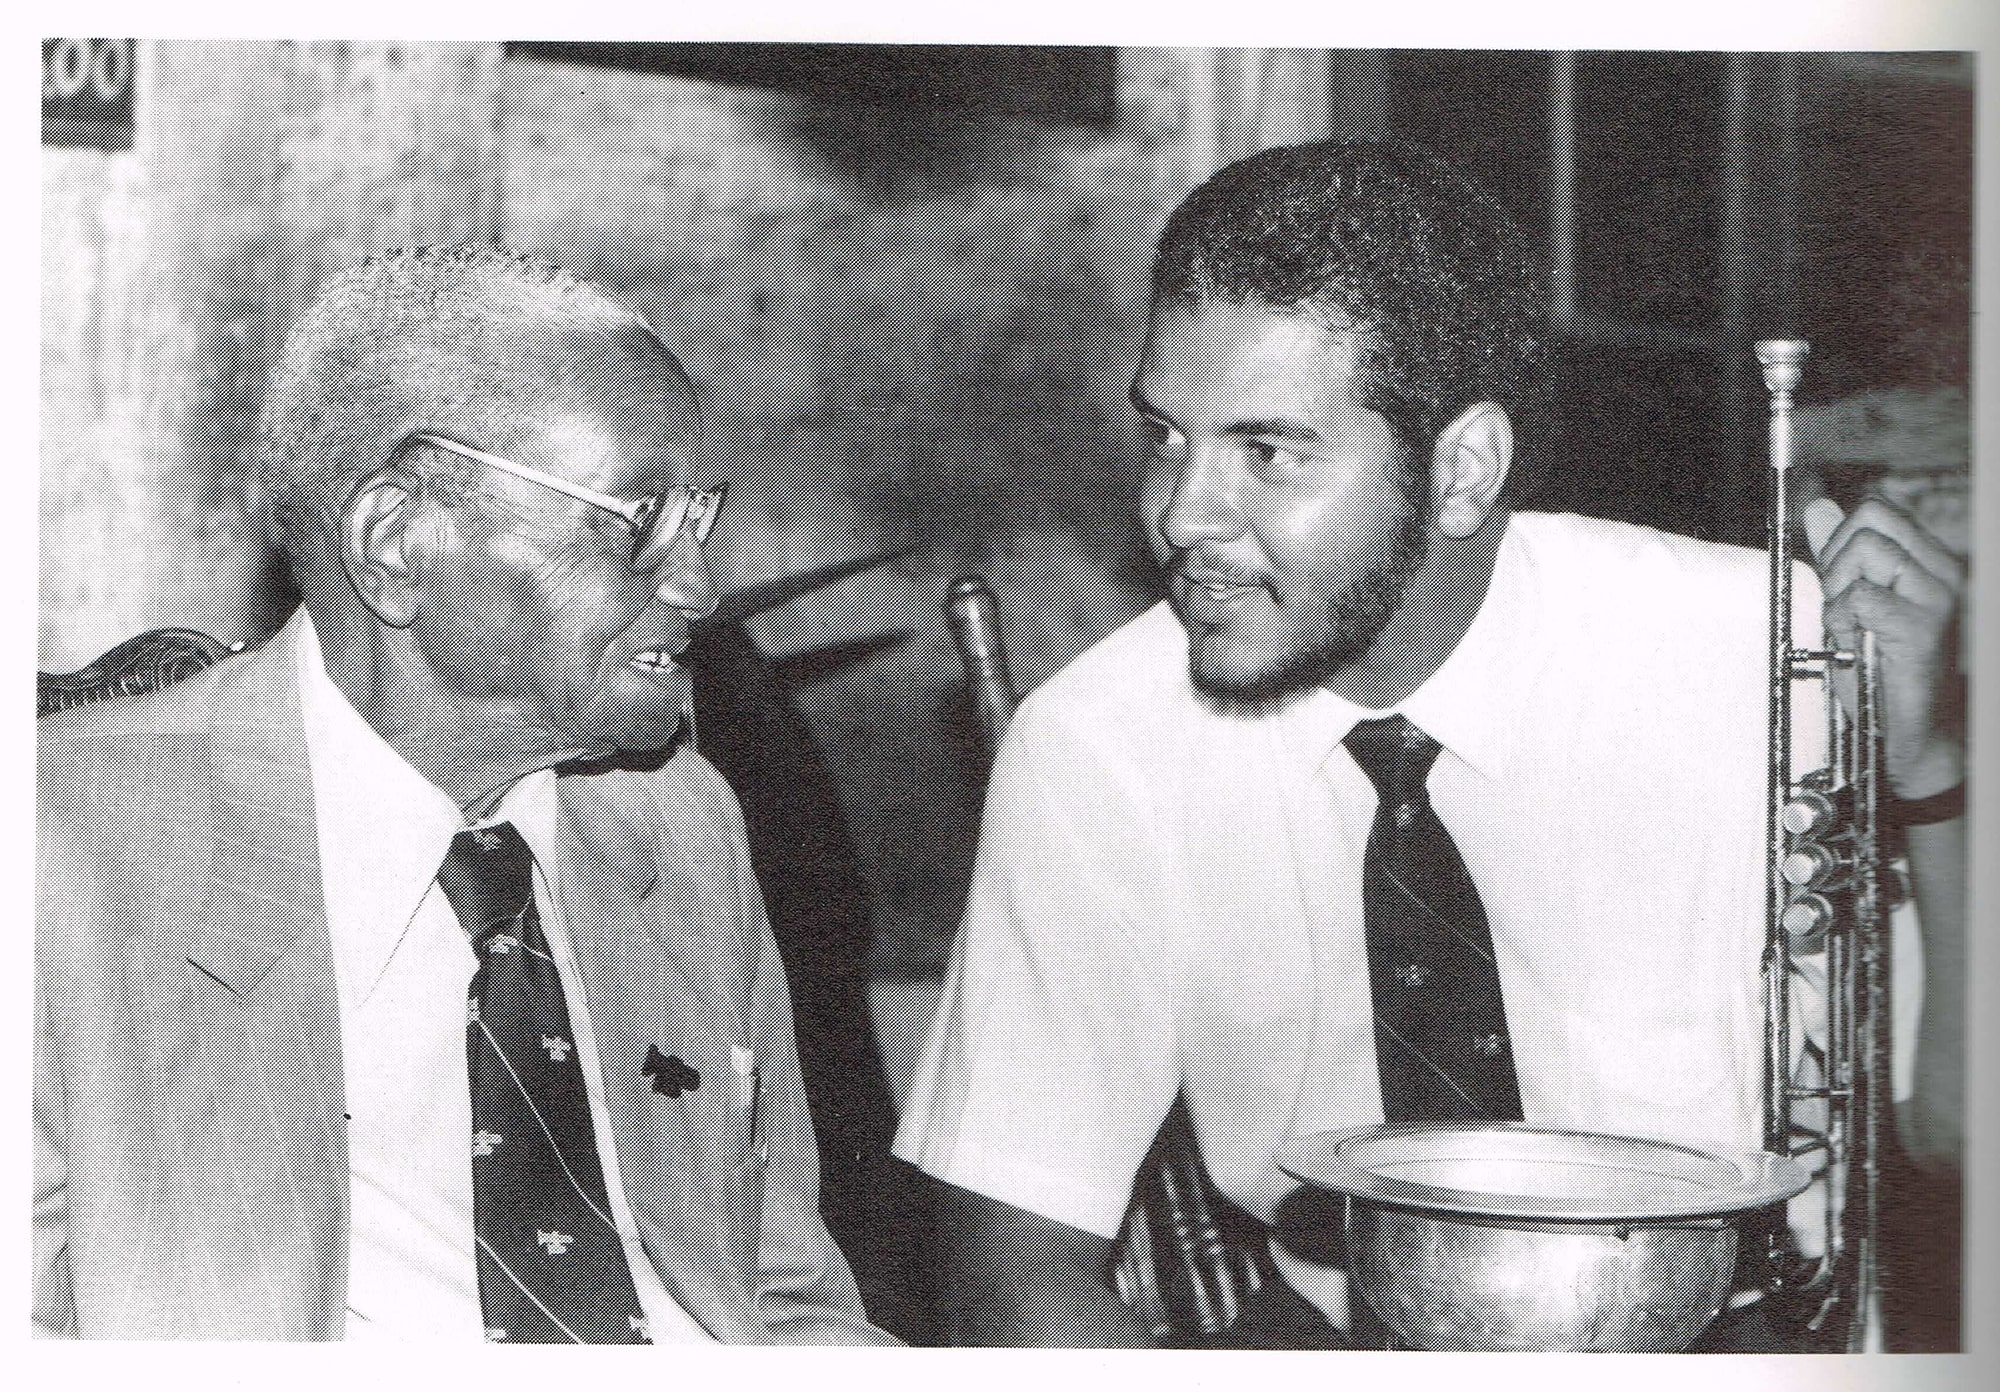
445, 339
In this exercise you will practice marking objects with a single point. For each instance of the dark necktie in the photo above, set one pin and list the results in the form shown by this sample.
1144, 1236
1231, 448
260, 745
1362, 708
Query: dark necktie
551, 1266
1440, 1025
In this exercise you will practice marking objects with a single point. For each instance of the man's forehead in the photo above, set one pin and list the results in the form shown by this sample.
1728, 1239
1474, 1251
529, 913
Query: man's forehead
635, 431
1212, 344
1250, 315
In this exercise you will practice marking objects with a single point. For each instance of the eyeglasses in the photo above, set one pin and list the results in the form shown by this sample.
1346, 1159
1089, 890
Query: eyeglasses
656, 521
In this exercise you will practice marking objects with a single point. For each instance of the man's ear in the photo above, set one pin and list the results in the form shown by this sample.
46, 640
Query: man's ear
376, 543
1469, 467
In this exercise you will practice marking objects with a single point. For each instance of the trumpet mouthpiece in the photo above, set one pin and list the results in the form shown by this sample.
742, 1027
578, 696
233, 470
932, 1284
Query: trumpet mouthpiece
1782, 359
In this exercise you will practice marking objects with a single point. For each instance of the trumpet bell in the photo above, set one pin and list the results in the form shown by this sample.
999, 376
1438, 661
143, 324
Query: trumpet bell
1499, 1236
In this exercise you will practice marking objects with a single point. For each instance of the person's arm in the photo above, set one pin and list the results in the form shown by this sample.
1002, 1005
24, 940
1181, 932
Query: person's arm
1054, 1055
54, 1312
1014, 1279
1881, 571
61, 887
1932, 1123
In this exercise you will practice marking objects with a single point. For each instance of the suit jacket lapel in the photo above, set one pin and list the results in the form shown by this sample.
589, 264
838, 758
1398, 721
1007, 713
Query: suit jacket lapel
266, 843
265, 1058
650, 918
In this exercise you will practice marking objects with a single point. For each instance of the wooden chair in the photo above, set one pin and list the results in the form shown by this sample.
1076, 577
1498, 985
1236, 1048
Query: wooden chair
157, 658
1186, 1257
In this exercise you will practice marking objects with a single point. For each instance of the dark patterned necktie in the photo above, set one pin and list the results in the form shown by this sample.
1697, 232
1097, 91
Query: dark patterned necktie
551, 1266
1440, 1025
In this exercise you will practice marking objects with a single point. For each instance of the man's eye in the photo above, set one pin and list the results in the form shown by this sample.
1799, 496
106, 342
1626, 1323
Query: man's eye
610, 529
1267, 455
1159, 437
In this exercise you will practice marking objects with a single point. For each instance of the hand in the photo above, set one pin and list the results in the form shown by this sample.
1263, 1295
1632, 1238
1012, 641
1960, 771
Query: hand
1881, 571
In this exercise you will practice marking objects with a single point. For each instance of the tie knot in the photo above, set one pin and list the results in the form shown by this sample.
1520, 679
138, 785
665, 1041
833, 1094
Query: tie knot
1395, 755
488, 875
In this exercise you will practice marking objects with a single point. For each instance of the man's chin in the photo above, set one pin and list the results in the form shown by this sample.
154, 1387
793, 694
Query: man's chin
1249, 691
653, 724
641, 749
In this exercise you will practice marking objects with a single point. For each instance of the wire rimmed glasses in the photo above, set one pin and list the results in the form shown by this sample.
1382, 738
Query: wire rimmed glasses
656, 521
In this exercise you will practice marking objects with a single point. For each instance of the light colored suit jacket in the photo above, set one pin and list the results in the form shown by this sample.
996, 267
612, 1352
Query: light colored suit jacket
190, 1157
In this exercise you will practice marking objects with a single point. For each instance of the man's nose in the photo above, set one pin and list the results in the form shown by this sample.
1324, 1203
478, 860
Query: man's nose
681, 577
1202, 506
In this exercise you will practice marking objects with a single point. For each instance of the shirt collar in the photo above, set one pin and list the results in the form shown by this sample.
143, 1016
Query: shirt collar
1465, 705
383, 827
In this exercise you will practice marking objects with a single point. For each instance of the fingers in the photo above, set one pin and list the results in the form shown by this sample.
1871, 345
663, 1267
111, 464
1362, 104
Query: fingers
1820, 518
1881, 543
1872, 560
1877, 608
1881, 572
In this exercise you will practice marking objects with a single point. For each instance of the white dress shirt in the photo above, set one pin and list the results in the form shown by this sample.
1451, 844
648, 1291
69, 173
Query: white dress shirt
403, 967
1169, 899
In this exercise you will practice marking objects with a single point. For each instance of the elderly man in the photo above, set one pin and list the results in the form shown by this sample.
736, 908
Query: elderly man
401, 979
1406, 804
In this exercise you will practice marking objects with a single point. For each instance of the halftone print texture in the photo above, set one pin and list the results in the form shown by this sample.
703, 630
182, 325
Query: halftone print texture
910, 316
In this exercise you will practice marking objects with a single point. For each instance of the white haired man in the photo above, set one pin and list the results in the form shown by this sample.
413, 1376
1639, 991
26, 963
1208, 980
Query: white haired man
405, 978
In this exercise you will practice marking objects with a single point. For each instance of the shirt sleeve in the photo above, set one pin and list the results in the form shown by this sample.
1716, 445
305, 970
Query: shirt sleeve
1054, 1056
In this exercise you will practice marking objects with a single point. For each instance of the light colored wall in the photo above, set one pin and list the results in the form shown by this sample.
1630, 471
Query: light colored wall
909, 328
168, 273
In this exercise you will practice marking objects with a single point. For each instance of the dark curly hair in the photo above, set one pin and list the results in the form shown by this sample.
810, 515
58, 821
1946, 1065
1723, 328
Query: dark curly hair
1386, 238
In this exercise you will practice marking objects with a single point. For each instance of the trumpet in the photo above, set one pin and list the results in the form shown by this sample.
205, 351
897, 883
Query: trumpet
1825, 894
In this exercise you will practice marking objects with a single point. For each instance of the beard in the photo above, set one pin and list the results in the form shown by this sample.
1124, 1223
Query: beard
1339, 630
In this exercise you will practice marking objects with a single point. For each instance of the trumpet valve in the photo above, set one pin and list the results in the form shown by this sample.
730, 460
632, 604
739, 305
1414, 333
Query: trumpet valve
1814, 812
1807, 920
1815, 866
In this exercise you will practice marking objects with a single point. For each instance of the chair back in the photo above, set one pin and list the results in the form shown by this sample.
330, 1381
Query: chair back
157, 658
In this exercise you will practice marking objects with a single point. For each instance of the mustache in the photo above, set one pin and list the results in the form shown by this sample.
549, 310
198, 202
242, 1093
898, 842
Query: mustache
1189, 567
